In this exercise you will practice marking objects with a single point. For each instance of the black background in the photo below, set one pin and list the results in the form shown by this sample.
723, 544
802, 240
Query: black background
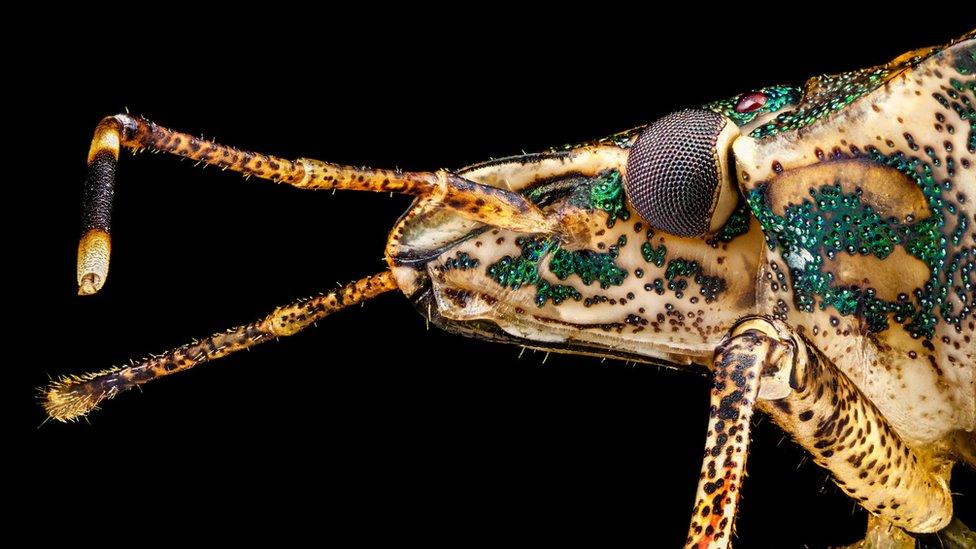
372, 427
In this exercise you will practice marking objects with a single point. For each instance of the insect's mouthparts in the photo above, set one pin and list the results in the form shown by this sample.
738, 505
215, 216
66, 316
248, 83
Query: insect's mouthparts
573, 229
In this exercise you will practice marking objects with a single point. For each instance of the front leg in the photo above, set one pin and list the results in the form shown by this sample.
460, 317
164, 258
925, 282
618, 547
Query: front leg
764, 362
739, 363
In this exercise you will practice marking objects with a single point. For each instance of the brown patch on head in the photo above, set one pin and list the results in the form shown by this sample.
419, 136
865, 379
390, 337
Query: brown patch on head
899, 273
889, 192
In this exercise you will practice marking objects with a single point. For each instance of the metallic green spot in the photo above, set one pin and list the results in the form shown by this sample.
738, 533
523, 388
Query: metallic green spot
678, 270
461, 261
654, 255
605, 192
737, 225
515, 272
588, 265
829, 95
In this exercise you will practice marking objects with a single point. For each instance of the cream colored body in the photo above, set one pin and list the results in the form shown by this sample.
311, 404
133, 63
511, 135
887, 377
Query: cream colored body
923, 405
930, 403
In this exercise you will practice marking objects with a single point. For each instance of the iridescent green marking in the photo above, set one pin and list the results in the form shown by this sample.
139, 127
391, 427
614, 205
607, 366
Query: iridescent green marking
589, 266
962, 223
654, 255
462, 261
736, 226
556, 292
604, 192
829, 95
680, 270
777, 97
833, 222
515, 272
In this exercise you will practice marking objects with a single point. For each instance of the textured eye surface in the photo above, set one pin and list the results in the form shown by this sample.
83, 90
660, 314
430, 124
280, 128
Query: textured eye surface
676, 171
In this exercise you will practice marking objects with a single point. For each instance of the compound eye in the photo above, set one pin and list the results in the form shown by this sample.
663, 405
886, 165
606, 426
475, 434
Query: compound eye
678, 177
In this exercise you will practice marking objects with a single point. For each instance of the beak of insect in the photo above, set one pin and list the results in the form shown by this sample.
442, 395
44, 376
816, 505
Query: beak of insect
680, 173
573, 227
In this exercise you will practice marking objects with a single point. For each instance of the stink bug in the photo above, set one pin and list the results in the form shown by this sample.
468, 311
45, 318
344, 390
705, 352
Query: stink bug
847, 202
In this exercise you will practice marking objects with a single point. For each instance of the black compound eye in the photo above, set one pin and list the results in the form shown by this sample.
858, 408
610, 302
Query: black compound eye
677, 172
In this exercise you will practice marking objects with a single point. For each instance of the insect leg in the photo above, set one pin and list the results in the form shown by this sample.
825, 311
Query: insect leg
74, 396
500, 207
764, 362
845, 433
738, 365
